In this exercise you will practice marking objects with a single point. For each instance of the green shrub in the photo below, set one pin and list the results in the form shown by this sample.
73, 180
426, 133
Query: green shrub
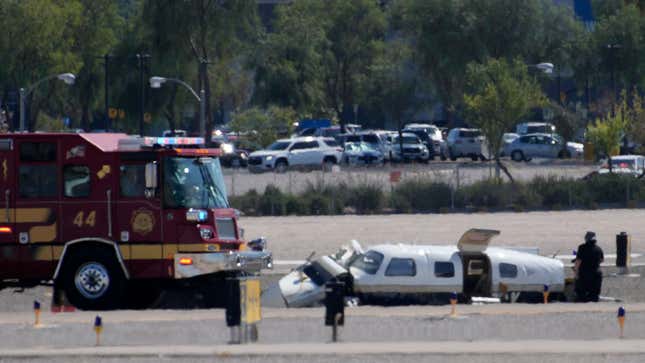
272, 202
526, 197
552, 190
247, 203
365, 198
421, 196
487, 193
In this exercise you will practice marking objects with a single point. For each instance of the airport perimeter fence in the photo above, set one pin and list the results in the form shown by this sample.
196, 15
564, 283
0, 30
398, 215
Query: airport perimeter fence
431, 190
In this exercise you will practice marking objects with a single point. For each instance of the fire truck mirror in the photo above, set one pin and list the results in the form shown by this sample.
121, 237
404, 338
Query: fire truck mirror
151, 175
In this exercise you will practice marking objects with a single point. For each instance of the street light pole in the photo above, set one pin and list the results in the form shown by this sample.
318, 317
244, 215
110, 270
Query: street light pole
68, 78
202, 113
141, 58
156, 82
22, 109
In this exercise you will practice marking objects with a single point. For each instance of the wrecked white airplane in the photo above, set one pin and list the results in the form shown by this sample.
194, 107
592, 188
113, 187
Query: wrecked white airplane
403, 273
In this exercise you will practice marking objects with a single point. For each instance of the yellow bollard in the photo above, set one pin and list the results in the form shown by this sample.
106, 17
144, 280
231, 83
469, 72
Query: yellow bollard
36, 313
98, 329
453, 304
545, 294
621, 320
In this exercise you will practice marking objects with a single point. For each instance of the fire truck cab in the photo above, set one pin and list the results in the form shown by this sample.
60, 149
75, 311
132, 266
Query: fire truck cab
93, 212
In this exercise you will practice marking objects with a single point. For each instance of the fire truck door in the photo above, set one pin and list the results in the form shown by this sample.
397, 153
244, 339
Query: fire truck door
88, 198
8, 242
139, 222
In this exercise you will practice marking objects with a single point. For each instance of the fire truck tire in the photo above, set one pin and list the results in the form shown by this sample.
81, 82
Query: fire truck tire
93, 283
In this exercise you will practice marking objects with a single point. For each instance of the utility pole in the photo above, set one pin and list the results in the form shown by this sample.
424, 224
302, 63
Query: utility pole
203, 64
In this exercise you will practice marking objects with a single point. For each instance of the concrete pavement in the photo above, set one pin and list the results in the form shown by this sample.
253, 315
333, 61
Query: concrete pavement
520, 347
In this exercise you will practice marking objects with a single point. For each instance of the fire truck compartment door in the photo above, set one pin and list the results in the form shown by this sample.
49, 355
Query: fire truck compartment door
476, 240
9, 250
8, 195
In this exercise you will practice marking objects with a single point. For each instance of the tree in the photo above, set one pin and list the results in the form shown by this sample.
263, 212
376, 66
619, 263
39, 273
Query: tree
319, 57
450, 34
38, 37
264, 127
499, 94
394, 82
619, 40
606, 133
210, 32
95, 35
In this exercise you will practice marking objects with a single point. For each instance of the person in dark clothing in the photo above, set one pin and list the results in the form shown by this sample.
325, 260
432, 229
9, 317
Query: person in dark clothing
587, 266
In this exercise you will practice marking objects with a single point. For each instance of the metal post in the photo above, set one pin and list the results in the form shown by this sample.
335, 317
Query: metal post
559, 88
202, 115
141, 100
106, 59
22, 109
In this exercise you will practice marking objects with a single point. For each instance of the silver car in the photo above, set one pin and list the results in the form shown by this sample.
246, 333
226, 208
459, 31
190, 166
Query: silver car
540, 145
413, 148
462, 143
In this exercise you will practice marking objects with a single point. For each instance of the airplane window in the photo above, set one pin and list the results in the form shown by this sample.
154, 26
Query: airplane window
444, 269
507, 270
401, 267
369, 262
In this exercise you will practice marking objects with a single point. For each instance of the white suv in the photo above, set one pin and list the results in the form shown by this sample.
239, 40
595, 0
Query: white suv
462, 143
298, 152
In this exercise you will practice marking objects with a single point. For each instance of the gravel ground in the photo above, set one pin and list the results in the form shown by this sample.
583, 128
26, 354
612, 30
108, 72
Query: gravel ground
239, 181
406, 358
553, 232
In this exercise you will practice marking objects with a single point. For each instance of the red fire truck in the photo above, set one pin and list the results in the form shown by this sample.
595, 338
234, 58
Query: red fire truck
96, 212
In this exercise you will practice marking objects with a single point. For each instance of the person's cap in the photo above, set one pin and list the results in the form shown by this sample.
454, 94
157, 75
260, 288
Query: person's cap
590, 235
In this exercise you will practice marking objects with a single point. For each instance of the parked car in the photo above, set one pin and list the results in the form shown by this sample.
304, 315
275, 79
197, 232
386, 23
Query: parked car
231, 156
299, 152
413, 148
361, 153
430, 134
625, 164
464, 143
535, 128
374, 138
526, 147
396, 273
507, 139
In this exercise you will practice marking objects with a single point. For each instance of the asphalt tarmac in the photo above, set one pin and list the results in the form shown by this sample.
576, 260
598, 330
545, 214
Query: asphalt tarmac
482, 333
370, 334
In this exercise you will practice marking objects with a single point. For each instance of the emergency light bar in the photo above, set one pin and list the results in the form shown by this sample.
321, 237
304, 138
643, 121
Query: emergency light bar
134, 143
171, 141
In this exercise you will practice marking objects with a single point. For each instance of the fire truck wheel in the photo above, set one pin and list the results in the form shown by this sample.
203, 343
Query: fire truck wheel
93, 283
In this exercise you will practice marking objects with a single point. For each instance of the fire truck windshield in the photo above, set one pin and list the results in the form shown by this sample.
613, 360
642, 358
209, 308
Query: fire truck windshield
194, 183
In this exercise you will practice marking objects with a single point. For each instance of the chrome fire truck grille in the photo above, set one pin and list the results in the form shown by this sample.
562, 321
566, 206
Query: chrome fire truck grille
225, 228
